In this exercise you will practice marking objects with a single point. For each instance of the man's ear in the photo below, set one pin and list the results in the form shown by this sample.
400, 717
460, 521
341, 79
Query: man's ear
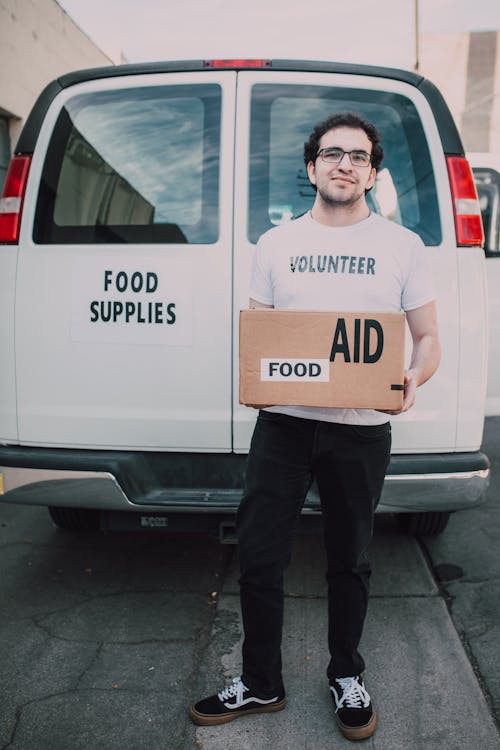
371, 180
311, 172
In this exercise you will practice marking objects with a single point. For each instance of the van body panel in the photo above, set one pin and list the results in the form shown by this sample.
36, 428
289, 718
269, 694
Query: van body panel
148, 189
473, 362
8, 411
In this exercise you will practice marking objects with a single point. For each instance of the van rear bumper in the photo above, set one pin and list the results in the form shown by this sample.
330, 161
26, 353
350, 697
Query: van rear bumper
132, 481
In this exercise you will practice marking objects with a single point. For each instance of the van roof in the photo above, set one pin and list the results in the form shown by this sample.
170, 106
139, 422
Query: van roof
450, 137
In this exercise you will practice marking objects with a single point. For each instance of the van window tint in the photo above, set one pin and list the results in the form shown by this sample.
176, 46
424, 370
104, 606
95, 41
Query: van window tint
135, 165
488, 190
282, 118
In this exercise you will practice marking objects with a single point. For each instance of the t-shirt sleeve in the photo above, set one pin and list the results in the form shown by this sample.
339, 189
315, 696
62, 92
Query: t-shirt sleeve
261, 287
418, 288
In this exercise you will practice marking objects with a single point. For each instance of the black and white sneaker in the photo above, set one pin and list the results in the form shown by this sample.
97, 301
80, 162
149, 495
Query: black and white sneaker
354, 711
232, 702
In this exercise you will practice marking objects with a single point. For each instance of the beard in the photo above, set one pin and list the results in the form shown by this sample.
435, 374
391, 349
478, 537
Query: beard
342, 198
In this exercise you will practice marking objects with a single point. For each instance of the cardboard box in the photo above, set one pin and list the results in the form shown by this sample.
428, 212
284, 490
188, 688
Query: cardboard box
322, 359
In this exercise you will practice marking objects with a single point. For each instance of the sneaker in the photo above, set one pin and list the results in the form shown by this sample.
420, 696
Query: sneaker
232, 702
354, 712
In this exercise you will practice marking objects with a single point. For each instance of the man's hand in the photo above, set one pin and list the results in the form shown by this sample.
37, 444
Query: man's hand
426, 352
410, 391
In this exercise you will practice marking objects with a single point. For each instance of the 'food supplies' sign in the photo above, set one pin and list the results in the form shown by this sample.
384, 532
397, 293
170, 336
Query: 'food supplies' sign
144, 303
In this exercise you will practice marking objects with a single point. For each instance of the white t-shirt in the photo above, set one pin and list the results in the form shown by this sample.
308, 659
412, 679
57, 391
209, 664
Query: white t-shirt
372, 266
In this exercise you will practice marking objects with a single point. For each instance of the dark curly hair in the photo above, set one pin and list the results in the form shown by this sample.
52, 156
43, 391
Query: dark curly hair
343, 120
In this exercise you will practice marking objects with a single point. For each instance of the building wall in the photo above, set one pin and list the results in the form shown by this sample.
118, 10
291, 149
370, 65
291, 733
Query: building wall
38, 42
466, 69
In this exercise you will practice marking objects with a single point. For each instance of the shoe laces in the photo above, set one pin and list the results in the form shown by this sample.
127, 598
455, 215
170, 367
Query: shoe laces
354, 694
235, 689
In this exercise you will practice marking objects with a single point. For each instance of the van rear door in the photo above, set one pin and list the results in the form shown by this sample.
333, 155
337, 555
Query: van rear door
123, 311
276, 113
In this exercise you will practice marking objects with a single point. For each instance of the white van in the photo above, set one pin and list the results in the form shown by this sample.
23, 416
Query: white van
127, 225
486, 170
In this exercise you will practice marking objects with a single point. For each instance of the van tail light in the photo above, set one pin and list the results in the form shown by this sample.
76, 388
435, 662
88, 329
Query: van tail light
468, 223
260, 63
11, 202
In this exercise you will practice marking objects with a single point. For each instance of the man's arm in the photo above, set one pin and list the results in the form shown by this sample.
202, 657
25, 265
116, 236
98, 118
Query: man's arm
426, 352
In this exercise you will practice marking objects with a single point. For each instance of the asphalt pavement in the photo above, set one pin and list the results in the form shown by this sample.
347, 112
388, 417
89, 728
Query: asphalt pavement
106, 638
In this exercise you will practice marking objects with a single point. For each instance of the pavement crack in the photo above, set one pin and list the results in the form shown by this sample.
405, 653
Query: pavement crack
50, 633
92, 661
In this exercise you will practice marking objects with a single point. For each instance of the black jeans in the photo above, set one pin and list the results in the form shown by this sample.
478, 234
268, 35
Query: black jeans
349, 463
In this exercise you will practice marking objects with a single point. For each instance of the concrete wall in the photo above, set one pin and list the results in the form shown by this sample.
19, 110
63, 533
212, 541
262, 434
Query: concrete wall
466, 68
38, 42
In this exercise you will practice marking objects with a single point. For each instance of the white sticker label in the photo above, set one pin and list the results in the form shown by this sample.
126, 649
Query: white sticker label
128, 301
295, 370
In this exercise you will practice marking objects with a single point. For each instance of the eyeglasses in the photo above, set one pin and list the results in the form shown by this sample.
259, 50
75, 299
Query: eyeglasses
334, 155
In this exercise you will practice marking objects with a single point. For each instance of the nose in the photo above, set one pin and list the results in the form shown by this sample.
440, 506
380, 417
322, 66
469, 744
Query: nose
345, 162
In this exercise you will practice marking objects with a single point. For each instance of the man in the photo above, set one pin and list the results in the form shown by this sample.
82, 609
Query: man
346, 450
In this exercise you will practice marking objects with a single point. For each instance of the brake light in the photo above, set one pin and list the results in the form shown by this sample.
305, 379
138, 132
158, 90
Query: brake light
468, 223
11, 202
237, 63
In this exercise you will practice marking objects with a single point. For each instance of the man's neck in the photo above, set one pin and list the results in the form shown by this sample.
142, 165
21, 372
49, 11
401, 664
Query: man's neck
338, 215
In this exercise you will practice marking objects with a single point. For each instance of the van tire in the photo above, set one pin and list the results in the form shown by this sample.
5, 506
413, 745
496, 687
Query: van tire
432, 523
75, 519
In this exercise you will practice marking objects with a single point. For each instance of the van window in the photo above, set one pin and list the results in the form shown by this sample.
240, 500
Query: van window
135, 165
283, 116
488, 190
